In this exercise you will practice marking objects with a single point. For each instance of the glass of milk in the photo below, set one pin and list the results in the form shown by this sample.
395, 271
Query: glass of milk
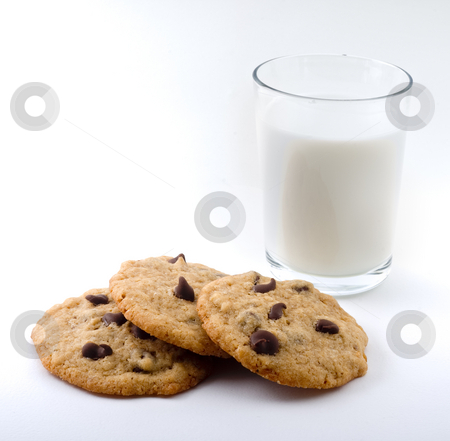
331, 166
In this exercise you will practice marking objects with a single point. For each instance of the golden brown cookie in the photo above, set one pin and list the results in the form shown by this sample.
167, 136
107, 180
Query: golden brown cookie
159, 294
287, 332
88, 342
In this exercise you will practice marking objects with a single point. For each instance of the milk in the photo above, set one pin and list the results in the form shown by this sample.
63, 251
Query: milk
330, 204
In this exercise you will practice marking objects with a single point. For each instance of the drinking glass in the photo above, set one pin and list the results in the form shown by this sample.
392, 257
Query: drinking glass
331, 162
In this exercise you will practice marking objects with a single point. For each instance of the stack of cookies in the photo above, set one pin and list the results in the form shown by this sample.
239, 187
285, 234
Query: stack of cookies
158, 327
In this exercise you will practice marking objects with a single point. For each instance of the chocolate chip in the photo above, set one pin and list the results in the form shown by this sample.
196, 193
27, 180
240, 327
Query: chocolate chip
256, 280
183, 290
89, 350
264, 342
97, 300
176, 258
110, 317
276, 311
104, 350
327, 327
138, 369
265, 288
139, 333
94, 351
300, 288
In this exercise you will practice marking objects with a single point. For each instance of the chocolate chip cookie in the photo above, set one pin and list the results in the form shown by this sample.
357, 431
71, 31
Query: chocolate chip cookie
287, 332
159, 294
88, 342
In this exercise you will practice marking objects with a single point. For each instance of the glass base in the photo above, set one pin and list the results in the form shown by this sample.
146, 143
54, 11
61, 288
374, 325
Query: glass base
335, 286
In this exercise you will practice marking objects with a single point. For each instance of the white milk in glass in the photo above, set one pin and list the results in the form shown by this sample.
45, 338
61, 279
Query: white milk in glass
330, 204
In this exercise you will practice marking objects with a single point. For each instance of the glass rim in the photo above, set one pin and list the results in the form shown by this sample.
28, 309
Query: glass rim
262, 84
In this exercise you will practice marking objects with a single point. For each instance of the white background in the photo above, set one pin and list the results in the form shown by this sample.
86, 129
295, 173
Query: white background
167, 84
